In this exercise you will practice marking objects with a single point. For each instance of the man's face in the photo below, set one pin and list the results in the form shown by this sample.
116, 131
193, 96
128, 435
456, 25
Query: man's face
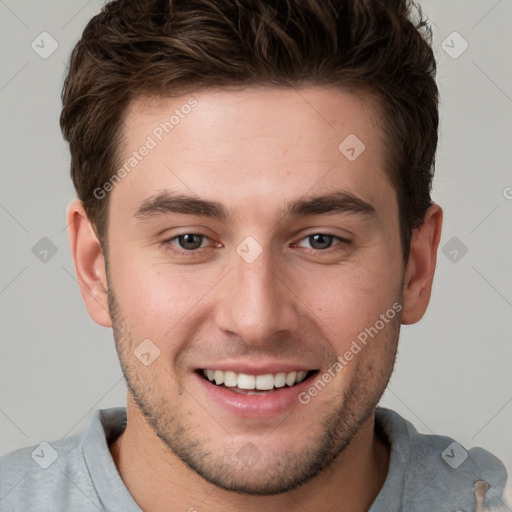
261, 291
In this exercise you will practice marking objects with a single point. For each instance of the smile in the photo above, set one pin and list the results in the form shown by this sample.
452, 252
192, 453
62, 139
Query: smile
255, 384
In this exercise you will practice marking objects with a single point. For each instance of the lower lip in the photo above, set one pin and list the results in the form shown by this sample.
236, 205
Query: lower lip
260, 405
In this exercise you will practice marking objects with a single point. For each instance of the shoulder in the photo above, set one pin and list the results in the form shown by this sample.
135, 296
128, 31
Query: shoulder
47, 476
438, 469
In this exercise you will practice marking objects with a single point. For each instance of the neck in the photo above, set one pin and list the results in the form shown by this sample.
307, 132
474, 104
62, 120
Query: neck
159, 481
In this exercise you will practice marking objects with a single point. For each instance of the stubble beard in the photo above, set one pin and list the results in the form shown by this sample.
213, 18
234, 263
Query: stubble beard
277, 471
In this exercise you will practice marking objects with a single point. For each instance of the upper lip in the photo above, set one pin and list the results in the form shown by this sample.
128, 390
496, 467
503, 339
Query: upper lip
260, 369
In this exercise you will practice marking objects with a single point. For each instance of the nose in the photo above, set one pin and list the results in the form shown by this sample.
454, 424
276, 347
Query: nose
256, 301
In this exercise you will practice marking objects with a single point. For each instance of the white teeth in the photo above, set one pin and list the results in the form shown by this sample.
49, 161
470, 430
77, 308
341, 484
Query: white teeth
301, 375
265, 382
245, 381
279, 380
290, 378
230, 379
219, 377
255, 382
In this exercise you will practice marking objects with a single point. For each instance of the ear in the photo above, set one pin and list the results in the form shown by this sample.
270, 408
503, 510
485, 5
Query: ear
421, 266
89, 264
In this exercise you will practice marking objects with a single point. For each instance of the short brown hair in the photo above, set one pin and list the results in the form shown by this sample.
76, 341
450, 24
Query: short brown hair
168, 46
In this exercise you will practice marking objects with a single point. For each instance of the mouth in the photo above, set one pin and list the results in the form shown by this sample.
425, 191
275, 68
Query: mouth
248, 384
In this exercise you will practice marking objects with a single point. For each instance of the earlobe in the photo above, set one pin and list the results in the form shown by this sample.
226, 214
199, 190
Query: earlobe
421, 266
89, 263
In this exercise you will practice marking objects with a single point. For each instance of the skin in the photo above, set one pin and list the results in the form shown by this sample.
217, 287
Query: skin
254, 150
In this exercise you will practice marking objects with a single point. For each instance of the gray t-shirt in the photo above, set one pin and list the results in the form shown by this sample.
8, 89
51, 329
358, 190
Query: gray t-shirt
426, 472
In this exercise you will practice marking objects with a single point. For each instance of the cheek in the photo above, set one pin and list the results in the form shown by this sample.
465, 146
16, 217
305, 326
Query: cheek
347, 299
158, 300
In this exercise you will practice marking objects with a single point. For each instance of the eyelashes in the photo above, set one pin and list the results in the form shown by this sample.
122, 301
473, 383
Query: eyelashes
191, 244
330, 237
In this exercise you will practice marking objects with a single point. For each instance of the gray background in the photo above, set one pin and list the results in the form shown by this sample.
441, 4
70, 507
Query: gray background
453, 371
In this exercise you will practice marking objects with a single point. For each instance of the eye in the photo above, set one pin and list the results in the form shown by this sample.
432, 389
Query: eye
187, 242
190, 243
323, 241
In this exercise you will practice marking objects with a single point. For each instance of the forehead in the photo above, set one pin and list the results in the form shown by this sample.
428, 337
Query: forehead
250, 145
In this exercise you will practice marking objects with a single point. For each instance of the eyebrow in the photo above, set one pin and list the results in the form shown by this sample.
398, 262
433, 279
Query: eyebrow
335, 202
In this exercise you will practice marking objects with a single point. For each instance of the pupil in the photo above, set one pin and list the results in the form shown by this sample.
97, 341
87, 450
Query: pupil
325, 240
189, 241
